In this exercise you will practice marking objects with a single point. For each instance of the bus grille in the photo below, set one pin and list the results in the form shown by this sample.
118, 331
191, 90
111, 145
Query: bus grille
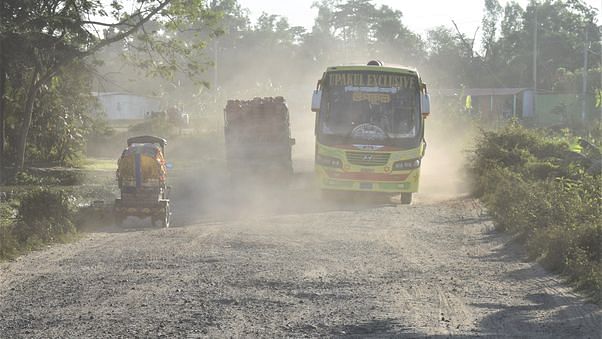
368, 159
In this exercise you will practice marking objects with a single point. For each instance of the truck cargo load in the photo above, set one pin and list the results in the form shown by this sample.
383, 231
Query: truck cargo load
258, 138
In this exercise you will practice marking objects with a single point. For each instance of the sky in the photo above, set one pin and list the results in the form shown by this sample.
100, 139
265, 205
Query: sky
418, 15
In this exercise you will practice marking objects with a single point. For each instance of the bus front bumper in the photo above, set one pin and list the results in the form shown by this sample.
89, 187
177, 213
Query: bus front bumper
405, 181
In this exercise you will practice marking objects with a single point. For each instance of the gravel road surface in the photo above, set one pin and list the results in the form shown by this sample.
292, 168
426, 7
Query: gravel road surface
291, 265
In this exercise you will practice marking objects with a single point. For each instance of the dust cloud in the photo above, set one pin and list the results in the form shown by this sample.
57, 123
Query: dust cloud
206, 191
443, 172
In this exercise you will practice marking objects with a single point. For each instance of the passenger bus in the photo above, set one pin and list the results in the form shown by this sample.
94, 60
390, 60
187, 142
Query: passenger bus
370, 129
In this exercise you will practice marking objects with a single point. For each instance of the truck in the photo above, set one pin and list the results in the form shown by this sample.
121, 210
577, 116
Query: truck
258, 139
369, 129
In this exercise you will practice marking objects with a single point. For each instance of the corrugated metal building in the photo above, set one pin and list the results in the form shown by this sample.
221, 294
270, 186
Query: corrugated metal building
542, 109
495, 103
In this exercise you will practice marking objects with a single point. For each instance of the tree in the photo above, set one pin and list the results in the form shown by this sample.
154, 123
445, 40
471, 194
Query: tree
321, 41
559, 43
352, 19
490, 24
42, 38
61, 121
394, 40
450, 61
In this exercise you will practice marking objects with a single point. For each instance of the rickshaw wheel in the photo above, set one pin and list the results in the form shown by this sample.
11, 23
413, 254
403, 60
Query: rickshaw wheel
164, 218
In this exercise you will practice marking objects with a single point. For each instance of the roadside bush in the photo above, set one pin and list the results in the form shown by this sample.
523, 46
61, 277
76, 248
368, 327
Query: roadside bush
530, 154
8, 241
42, 216
50, 177
68, 177
549, 203
45, 216
30, 179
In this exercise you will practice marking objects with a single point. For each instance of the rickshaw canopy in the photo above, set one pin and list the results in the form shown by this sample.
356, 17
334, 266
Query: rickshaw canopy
148, 139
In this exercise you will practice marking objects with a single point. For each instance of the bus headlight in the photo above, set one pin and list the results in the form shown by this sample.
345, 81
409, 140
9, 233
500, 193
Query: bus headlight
406, 165
328, 161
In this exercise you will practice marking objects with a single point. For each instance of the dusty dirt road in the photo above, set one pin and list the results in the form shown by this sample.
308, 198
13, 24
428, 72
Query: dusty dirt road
266, 265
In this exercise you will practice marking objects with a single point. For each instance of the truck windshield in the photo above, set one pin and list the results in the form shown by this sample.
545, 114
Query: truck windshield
370, 107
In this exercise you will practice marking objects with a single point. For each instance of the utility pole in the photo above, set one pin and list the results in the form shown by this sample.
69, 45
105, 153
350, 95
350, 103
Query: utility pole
535, 24
585, 66
215, 47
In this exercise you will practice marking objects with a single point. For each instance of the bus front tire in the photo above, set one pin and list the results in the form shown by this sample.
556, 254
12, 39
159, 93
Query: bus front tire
406, 198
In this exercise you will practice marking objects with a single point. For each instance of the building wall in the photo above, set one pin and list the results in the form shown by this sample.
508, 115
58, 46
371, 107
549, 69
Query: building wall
495, 108
126, 106
528, 102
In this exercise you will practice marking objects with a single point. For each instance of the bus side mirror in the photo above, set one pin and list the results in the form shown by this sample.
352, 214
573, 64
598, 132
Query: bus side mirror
316, 99
425, 105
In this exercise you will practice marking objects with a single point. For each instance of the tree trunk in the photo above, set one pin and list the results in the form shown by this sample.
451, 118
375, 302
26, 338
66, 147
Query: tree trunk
3, 71
27, 117
2, 119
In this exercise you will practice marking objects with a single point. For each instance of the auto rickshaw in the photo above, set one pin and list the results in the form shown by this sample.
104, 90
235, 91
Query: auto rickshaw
141, 176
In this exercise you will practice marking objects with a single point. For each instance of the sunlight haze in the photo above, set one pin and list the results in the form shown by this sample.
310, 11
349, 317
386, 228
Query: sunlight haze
419, 16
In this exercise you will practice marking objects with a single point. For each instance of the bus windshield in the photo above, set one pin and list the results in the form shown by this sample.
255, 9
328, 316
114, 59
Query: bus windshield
369, 106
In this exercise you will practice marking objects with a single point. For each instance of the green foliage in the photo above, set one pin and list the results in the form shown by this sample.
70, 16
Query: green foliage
528, 154
42, 216
169, 41
61, 177
69, 177
560, 36
8, 242
271, 57
23, 178
534, 191
63, 118
45, 216
45, 52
